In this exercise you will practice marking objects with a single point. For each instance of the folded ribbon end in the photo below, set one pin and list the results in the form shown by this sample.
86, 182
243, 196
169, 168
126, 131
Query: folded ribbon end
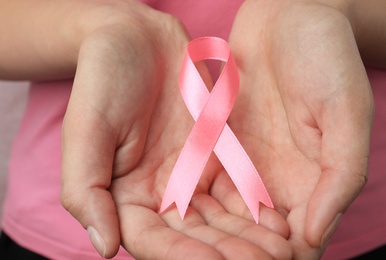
165, 205
181, 205
256, 213
267, 202
182, 208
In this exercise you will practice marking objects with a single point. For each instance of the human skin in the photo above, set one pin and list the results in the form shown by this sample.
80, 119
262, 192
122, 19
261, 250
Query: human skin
124, 127
138, 128
304, 112
122, 134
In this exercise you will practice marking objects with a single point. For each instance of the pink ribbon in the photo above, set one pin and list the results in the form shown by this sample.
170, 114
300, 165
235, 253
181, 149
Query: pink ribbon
210, 132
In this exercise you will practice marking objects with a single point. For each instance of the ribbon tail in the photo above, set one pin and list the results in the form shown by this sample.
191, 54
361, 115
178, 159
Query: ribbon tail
173, 195
242, 172
185, 176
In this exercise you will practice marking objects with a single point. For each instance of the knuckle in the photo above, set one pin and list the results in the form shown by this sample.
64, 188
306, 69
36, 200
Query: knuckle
69, 201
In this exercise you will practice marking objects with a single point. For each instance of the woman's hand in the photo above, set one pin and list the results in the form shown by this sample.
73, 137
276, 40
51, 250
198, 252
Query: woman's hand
124, 128
304, 111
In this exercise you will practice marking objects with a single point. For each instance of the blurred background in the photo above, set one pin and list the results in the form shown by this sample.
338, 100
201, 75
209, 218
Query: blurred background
13, 98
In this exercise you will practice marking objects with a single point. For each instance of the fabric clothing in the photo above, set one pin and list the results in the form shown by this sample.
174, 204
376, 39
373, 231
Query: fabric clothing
9, 250
378, 253
35, 219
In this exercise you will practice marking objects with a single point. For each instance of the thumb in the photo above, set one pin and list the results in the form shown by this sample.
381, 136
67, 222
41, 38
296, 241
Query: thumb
344, 159
88, 154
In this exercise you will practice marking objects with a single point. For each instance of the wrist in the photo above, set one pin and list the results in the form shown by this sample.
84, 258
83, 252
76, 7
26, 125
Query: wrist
42, 38
368, 23
86, 21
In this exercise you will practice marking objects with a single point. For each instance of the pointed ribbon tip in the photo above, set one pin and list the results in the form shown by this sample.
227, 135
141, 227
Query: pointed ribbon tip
211, 132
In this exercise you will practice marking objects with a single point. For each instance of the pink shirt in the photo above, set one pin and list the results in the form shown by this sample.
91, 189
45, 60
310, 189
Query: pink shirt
35, 219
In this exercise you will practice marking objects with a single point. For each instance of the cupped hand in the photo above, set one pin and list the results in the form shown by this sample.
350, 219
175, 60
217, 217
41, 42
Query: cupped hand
304, 112
123, 130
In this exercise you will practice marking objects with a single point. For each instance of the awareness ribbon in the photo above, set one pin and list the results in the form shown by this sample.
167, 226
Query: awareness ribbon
211, 132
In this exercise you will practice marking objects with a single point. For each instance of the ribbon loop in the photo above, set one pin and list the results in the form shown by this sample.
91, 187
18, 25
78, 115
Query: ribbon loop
210, 132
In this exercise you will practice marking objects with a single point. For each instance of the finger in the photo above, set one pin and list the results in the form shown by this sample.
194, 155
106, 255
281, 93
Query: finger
346, 131
216, 216
88, 151
229, 246
226, 193
301, 248
146, 236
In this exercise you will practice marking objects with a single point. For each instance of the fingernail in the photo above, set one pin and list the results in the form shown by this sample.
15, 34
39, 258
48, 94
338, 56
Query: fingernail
331, 229
97, 241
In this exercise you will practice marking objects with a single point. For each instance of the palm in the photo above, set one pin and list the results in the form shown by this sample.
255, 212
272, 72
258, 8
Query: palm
138, 190
114, 181
296, 113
